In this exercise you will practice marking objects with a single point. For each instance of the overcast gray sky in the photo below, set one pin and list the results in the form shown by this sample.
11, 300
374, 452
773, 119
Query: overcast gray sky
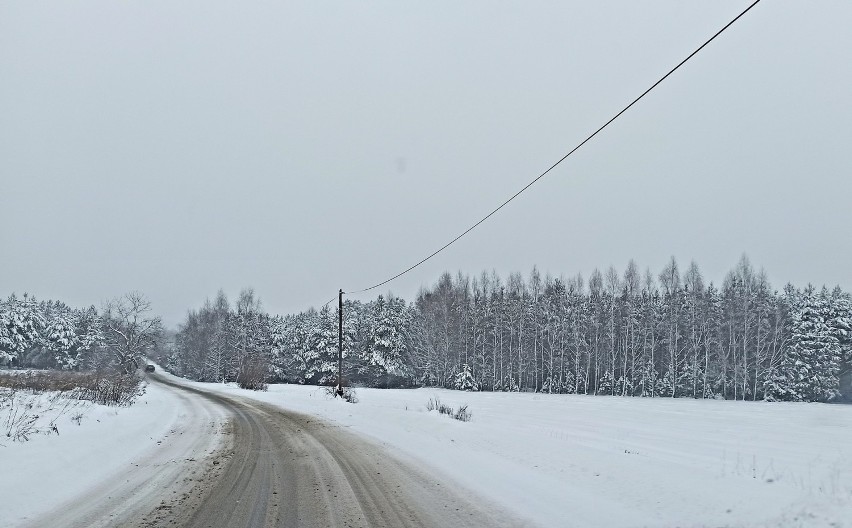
301, 147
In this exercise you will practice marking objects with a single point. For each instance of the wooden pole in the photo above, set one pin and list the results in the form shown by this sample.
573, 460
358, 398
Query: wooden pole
340, 344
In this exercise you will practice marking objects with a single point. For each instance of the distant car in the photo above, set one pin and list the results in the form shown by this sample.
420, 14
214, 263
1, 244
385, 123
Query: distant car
149, 368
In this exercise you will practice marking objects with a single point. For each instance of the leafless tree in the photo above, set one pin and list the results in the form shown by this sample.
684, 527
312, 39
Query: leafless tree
130, 330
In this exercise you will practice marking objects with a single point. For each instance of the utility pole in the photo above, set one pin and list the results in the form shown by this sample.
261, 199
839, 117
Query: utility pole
340, 344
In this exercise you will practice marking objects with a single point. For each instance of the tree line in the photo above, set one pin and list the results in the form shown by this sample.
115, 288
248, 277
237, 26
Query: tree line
244, 344
635, 334
631, 334
49, 334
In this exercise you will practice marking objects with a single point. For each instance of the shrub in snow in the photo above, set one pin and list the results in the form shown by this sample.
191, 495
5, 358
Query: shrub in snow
23, 414
464, 380
462, 415
434, 404
252, 375
348, 393
20, 420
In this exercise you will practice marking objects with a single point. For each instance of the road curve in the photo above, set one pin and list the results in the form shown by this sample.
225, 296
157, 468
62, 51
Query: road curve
286, 469
171, 466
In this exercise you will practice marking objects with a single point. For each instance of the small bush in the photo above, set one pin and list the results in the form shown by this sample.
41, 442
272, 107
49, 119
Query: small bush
348, 395
118, 389
20, 422
462, 415
434, 404
252, 376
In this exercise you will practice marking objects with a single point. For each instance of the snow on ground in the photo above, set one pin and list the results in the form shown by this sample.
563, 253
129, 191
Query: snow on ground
557, 460
566, 460
49, 470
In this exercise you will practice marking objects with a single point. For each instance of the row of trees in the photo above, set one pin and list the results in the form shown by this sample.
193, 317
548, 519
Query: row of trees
635, 334
52, 335
217, 343
222, 343
630, 334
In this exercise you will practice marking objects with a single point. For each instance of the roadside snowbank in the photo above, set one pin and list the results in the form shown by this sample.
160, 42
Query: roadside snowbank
564, 460
50, 470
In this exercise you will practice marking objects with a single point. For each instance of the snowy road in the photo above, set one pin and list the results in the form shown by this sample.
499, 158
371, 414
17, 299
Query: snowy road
289, 469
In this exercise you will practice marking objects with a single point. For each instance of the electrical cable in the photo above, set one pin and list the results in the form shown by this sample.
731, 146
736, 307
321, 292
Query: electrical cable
545, 173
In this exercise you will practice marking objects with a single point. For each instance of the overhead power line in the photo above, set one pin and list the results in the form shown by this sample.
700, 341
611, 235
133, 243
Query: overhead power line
563, 158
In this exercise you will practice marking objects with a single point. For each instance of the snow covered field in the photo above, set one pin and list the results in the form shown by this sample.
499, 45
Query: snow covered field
563, 460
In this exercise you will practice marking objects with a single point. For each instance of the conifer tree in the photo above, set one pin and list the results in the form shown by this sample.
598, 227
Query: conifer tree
811, 364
